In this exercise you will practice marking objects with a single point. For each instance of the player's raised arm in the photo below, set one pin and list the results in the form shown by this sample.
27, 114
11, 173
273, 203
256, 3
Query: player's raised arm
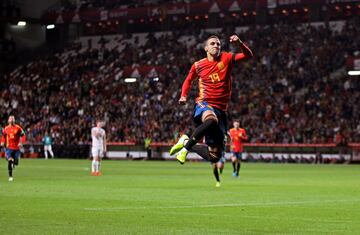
187, 84
246, 53
3, 136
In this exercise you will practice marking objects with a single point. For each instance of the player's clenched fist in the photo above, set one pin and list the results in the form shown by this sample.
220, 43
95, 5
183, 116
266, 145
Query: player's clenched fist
182, 100
234, 39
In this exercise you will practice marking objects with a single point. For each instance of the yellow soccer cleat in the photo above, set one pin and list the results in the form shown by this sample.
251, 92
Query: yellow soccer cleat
217, 184
179, 145
181, 156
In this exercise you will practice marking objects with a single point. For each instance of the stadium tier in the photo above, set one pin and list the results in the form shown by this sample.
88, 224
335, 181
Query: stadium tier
293, 91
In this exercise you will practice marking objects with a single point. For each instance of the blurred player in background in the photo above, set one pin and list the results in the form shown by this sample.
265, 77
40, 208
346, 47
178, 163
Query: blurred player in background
98, 148
12, 138
214, 77
238, 136
47, 141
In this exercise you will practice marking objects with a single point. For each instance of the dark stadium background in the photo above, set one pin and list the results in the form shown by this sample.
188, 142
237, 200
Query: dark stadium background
67, 66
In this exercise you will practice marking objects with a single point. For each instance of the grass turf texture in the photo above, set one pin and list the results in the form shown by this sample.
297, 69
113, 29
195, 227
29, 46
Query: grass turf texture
133, 197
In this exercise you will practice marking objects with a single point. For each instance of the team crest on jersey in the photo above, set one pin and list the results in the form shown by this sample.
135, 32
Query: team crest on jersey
221, 65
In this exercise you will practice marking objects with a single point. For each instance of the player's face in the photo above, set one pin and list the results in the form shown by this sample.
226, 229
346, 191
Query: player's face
11, 120
100, 124
213, 46
236, 124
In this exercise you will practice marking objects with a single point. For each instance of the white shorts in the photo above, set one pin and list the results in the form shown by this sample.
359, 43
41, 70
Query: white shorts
97, 152
47, 148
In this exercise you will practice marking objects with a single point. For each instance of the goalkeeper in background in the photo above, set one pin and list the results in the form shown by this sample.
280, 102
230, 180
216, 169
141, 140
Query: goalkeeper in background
47, 141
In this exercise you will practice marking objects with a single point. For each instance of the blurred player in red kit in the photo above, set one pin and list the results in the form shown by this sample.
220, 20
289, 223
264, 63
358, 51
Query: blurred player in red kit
12, 138
237, 135
214, 80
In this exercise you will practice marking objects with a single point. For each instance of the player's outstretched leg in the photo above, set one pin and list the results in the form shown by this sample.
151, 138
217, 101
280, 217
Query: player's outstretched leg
10, 169
98, 172
238, 168
234, 167
51, 153
216, 174
16, 162
93, 167
197, 135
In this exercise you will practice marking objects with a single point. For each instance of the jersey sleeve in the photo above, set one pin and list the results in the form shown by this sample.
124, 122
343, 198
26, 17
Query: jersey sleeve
245, 54
231, 134
3, 135
22, 132
22, 135
244, 135
188, 80
23, 139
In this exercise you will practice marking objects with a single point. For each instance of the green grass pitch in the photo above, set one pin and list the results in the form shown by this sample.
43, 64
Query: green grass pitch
138, 197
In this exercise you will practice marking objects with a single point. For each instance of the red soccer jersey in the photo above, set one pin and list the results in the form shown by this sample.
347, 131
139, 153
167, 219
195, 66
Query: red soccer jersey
237, 137
214, 79
11, 135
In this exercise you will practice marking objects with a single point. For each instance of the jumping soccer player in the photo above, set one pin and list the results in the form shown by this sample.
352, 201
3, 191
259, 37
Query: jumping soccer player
12, 138
214, 74
98, 148
237, 136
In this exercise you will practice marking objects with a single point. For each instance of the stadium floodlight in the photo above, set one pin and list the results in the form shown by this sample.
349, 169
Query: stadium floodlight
130, 80
50, 26
21, 23
354, 72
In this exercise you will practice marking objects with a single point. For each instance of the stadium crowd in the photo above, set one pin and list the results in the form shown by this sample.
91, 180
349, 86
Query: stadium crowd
109, 4
288, 93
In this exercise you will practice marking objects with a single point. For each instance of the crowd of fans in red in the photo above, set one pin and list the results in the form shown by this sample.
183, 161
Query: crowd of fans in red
290, 92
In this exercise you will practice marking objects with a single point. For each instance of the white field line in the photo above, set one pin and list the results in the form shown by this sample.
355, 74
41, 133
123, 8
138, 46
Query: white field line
262, 204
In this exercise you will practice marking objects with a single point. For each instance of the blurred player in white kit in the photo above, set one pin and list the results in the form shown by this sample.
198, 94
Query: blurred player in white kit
98, 148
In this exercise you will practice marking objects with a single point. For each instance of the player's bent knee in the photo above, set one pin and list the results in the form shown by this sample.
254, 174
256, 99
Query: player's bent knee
210, 116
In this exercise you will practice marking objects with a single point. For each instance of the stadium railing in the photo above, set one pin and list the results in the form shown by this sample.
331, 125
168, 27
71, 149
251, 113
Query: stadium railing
253, 152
